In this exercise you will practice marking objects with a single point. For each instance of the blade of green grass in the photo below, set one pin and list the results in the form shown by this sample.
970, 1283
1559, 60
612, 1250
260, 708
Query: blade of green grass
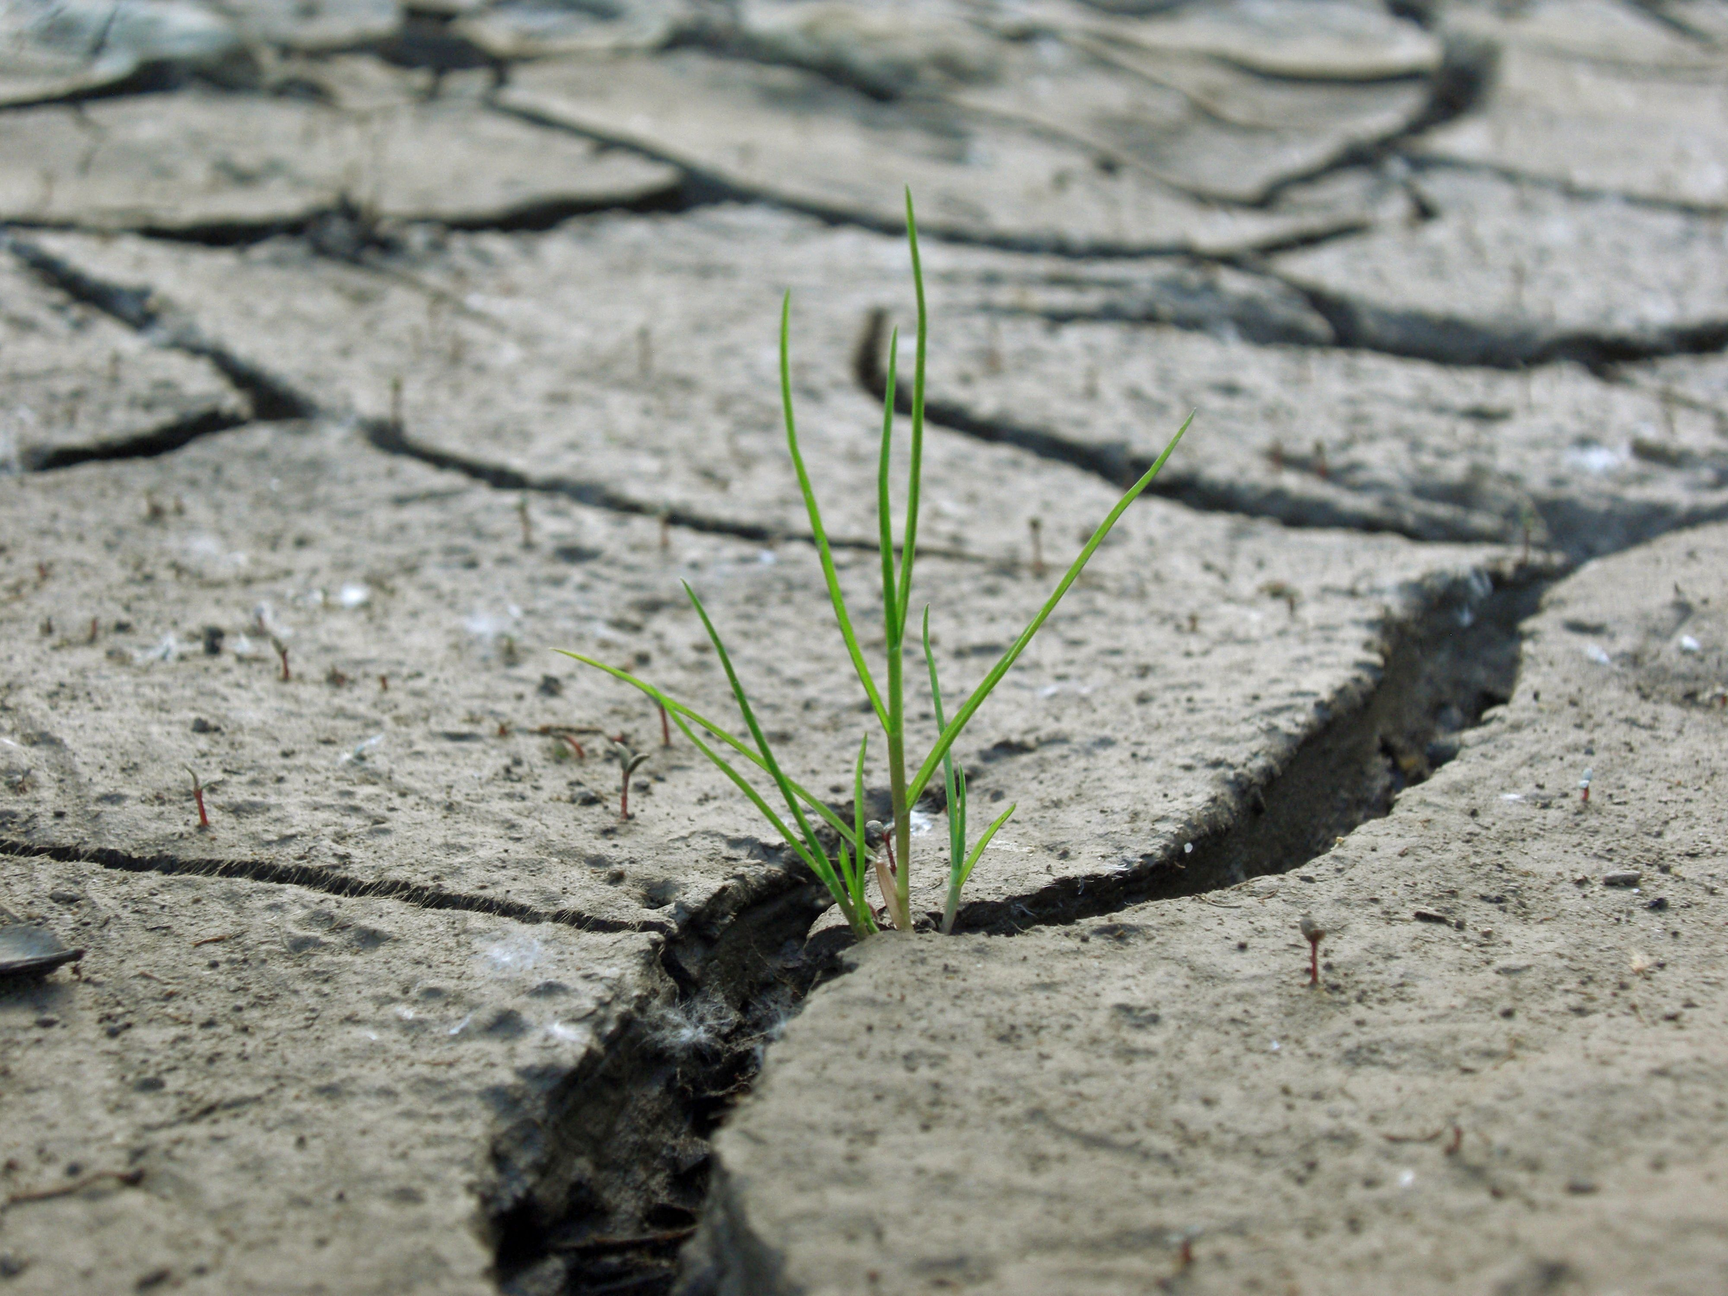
861, 882
675, 707
884, 509
809, 851
768, 761
956, 791
909, 550
828, 573
952, 730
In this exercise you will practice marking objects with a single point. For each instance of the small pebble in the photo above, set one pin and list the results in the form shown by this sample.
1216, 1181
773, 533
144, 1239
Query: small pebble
1622, 878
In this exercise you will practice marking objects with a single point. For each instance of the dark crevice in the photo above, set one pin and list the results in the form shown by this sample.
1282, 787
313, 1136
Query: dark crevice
1420, 162
146, 445
1659, 12
1119, 466
1447, 340
714, 189
1466, 72
600, 1195
390, 438
272, 399
151, 76
317, 879
345, 229
598, 1183
1451, 657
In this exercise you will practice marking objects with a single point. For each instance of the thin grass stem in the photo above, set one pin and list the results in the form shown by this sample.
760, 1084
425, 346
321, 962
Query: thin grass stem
821, 535
953, 728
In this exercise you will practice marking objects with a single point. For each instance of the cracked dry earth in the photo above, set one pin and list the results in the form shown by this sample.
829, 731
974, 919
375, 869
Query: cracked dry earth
355, 356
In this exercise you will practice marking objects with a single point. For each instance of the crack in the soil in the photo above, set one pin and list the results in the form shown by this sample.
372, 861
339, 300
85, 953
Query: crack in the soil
1448, 658
714, 188
1457, 86
1420, 162
137, 308
598, 1187
274, 398
1450, 340
611, 1208
144, 445
341, 227
1114, 463
319, 879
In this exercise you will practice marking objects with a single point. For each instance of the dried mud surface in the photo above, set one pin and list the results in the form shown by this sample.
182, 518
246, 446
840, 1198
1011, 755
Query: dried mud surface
356, 357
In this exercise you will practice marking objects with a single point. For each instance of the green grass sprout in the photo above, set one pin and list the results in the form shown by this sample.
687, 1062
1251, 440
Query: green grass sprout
847, 872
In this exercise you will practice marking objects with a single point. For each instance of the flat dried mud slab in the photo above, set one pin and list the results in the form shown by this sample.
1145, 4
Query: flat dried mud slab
1228, 103
538, 30
798, 138
255, 1088
1509, 1078
1323, 436
196, 161
51, 51
633, 363
78, 385
1492, 277
1599, 97
1188, 670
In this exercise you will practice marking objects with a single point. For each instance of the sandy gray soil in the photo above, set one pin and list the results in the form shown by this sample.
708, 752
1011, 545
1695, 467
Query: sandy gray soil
415, 343
1506, 1080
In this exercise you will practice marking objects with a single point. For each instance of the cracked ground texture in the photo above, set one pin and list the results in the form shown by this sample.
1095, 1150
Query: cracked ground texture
355, 356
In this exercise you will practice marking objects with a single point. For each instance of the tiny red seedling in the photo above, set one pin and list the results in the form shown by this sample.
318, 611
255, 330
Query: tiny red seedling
1314, 933
665, 727
282, 653
631, 763
1584, 787
198, 798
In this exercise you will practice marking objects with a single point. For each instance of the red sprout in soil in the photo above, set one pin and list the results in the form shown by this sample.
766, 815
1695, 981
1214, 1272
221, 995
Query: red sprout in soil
1314, 933
1584, 786
581, 752
630, 767
282, 652
383, 683
198, 797
665, 726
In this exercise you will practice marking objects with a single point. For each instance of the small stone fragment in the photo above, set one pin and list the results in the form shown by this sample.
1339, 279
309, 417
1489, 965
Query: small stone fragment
1622, 878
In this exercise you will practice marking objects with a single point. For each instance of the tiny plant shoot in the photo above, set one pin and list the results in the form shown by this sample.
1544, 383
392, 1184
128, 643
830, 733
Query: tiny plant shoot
856, 857
198, 799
